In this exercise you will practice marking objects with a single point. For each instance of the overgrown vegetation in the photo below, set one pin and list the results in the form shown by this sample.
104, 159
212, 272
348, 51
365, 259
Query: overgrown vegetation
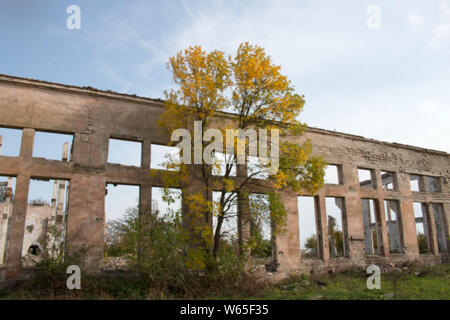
423, 243
425, 282
415, 283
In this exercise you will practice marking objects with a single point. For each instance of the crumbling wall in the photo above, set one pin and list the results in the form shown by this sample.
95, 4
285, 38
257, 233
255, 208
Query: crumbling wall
93, 117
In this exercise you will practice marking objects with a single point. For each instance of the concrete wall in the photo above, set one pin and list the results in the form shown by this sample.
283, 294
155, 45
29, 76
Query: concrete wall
93, 116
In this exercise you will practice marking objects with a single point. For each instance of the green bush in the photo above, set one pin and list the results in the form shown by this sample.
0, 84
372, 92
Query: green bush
158, 256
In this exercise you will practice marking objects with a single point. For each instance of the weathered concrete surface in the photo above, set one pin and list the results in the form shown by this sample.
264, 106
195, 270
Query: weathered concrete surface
94, 116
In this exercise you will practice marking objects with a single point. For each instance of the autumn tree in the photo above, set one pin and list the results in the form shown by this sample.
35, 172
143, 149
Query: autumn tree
245, 91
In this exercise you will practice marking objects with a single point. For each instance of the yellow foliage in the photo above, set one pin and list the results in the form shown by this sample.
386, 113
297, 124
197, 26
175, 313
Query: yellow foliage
252, 87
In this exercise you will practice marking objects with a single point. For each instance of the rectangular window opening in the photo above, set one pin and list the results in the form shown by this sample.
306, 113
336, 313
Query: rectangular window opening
166, 203
121, 221
224, 162
388, 180
309, 244
125, 152
256, 168
394, 226
7, 193
10, 142
53, 146
433, 184
46, 218
336, 236
372, 230
165, 157
333, 174
422, 230
441, 227
261, 225
229, 229
415, 183
365, 177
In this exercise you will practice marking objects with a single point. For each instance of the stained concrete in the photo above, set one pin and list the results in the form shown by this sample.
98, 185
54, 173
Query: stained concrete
93, 116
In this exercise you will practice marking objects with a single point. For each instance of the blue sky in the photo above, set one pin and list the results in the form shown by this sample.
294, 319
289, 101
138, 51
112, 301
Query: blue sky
389, 84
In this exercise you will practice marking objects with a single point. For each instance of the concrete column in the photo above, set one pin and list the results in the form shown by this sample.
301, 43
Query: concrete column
17, 219
17, 222
145, 199
26, 147
382, 228
146, 154
81, 149
86, 221
407, 216
4, 219
287, 244
446, 215
244, 222
91, 149
423, 185
322, 227
193, 219
145, 210
381, 216
244, 218
431, 229
355, 226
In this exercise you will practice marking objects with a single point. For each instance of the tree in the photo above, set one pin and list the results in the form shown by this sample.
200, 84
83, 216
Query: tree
311, 244
335, 238
423, 243
209, 86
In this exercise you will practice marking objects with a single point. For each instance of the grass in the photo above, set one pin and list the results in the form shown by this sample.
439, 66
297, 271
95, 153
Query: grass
418, 283
413, 283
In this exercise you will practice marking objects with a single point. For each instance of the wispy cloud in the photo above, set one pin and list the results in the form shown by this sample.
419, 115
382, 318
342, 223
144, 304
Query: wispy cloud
366, 82
416, 21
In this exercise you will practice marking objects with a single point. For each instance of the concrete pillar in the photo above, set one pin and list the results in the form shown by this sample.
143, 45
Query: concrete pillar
26, 147
244, 218
146, 154
287, 244
244, 222
91, 149
322, 227
410, 243
81, 149
381, 217
4, 222
86, 221
382, 227
446, 216
62, 187
441, 235
368, 240
17, 219
17, 222
431, 226
145, 199
355, 226
423, 185
193, 219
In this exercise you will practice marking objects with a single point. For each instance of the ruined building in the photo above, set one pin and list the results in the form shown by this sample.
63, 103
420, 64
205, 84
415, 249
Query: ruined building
44, 222
388, 203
